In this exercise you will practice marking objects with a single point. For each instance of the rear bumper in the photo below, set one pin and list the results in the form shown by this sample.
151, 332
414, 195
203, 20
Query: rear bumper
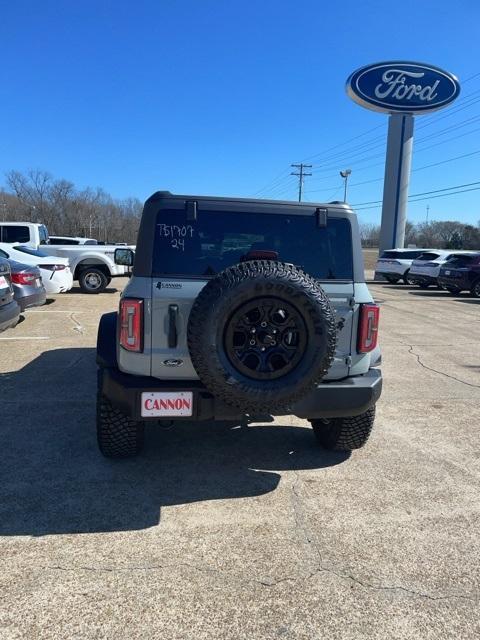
447, 282
9, 315
32, 300
390, 270
348, 397
421, 278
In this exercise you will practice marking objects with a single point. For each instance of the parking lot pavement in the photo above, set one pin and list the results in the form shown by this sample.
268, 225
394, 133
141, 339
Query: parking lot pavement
223, 532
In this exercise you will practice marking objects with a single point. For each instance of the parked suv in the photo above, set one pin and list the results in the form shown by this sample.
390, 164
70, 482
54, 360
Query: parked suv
461, 273
394, 264
426, 268
237, 309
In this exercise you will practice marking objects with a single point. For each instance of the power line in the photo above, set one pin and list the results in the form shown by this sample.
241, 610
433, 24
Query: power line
426, 166
301, 176
424, 193
440, 195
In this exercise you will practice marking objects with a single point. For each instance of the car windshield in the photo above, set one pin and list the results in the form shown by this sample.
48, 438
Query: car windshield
217, 240
32, 252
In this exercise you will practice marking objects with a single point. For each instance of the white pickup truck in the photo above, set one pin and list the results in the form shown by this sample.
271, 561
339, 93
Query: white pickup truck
91, 264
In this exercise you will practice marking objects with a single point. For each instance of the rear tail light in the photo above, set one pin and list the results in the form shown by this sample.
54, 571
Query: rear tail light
53, 267
131, 324
368, 327
23, 278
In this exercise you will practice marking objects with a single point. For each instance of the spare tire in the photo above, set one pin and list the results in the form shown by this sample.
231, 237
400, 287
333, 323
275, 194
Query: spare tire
261, 335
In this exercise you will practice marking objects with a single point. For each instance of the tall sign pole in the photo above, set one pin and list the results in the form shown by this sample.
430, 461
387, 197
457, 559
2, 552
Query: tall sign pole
395, 185
403, 90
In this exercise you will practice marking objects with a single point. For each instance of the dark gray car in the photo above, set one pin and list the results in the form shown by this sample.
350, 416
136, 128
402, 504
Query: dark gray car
28, 289
9, 309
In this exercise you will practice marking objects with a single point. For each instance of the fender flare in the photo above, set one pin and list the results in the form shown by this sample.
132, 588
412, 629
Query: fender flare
107, 341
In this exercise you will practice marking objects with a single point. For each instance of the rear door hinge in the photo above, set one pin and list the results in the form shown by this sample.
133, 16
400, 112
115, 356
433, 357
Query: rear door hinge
348, 361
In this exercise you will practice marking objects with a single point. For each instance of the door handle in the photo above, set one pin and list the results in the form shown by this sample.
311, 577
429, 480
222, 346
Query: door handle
172, 325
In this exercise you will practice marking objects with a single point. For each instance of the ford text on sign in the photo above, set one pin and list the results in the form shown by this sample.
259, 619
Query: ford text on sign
167, 404
402, 87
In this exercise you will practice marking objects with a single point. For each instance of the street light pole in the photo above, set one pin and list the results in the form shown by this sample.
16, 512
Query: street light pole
345, 175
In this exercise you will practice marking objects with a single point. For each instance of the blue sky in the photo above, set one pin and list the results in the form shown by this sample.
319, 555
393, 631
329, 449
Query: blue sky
219, 97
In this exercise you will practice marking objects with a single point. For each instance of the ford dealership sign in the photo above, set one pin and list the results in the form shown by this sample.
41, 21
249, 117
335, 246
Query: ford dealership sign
402, 87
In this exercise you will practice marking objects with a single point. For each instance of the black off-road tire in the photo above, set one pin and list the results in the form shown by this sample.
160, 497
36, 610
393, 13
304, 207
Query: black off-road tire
344, 434
118, 436
475, 289
92, 280
217, 304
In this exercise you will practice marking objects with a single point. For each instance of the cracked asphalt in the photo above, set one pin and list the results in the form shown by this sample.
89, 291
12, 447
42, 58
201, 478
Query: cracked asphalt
218, 531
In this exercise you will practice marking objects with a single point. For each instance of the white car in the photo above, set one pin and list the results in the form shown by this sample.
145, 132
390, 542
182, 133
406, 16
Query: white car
426, 268
394, 264
56, 274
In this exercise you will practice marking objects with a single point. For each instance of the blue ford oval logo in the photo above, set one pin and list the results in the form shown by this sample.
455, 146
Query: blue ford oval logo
405, 87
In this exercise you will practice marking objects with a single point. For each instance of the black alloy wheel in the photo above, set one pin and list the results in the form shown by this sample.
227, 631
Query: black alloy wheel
265, 338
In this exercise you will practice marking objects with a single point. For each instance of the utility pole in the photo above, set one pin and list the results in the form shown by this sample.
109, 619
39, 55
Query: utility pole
345, 175
301, 175
428, 209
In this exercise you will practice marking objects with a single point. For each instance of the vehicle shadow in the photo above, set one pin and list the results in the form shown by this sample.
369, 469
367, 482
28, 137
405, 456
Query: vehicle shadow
53, 479
469, 300
76, 289
436, 293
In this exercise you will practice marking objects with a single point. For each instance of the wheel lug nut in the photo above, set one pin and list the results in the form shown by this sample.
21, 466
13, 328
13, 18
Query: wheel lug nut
263, 324
253, 330
263, 349
252, 342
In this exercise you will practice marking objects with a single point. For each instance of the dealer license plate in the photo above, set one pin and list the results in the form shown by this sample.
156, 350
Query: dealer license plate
167, 404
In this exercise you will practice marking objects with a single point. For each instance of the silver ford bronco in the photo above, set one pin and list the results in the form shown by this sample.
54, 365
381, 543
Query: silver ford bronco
238, 309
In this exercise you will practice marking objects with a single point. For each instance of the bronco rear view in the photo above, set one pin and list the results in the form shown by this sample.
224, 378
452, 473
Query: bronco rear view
238, 309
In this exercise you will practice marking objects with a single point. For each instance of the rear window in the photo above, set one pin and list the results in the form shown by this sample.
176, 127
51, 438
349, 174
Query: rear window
63, 241
428, 256
401, 255
462, 261
217, 240
15, 233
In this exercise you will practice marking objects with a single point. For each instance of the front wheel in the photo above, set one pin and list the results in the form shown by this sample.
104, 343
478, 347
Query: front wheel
407, 278
344, 434
475, 290
92, 280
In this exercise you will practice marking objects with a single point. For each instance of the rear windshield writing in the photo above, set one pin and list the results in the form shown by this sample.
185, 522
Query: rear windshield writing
217, 240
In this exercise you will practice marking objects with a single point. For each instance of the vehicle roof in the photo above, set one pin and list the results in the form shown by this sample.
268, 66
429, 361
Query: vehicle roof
47, 259
411, 249
164, 195
24, 222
